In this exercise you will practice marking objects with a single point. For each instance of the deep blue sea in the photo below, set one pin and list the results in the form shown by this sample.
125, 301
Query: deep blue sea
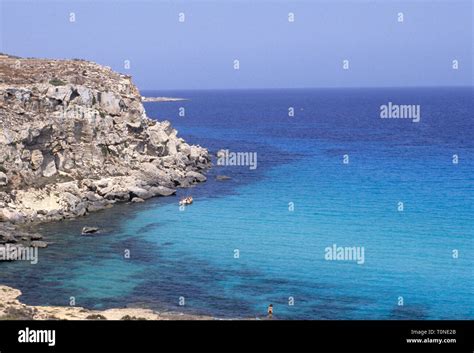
191, 253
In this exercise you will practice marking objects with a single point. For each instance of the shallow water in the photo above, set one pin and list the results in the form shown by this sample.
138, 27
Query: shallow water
190, 253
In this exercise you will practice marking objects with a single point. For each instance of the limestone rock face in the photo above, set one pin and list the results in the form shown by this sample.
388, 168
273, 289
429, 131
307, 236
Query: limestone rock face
75, 138
36, 159
3, 179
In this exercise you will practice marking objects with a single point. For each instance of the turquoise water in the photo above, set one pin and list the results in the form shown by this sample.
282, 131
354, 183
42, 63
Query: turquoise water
190, 253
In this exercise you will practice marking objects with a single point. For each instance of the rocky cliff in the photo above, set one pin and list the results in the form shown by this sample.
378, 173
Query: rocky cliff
75, 138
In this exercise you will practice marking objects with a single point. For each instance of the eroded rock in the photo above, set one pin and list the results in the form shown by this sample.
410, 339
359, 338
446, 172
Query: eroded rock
89, 230
74, 143
3, 179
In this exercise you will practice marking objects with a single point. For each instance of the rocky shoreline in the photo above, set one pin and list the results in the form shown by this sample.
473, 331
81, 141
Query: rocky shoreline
12, 309
75, 139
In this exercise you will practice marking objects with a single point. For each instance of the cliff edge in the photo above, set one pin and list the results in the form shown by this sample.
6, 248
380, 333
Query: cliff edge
75, 138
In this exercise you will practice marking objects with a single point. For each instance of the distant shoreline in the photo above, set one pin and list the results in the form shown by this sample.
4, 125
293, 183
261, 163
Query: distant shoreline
162, 99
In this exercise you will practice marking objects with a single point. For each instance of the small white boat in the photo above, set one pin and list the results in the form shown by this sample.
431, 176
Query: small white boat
186, 201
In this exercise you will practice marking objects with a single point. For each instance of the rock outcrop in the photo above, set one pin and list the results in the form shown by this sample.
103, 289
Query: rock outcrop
75, 138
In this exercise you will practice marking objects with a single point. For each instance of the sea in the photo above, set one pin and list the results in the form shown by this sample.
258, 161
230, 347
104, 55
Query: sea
332, 178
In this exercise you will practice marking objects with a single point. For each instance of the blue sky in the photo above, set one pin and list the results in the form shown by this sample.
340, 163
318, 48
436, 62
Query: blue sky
273, 53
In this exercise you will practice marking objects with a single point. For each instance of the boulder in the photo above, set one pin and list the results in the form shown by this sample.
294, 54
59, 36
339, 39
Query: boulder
71, 201
50, 168
162, 191
171, 147
3, 179
60, 93
39, 244
80, 209
118, 195
110, 102
140, 193
9, 215
92, 196
196, 152
195, 176
35, 236
89, 230
157, 136
185, 149
36, 159
152, 175
166, 127
98, 205
86, 96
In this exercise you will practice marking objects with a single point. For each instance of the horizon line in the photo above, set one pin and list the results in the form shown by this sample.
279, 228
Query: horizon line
299, 88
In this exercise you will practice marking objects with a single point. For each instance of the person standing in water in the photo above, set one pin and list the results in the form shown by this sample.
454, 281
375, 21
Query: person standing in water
270, 311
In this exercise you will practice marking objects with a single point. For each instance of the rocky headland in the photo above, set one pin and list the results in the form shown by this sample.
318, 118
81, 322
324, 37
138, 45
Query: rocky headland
75, 139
